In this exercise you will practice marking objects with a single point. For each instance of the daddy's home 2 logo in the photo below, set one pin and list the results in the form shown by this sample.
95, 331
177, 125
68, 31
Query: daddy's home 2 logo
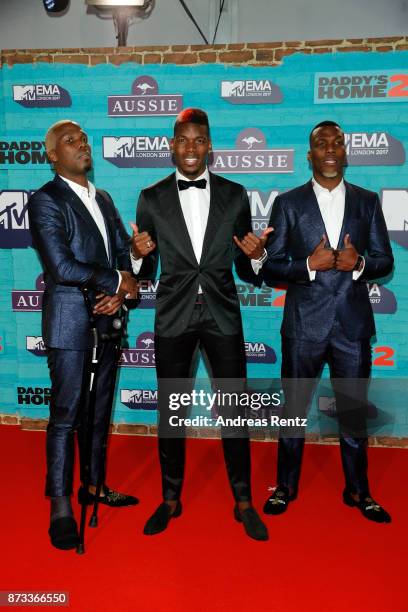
251, 155
14, 226
28, 300
361, 87
259, 352
139, 399
261, 91
142, 356
137, 151
144, 100
35, 396
373, 149
15, 154
395, 209
41, 95
250, 296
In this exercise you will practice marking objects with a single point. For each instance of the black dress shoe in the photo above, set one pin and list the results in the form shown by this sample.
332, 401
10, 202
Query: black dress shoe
278, 502
253, 525
64, 533
368, 508
160, 518
110, 498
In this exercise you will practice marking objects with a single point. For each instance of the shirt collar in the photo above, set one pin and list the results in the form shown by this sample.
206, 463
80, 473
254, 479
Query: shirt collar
319, 189
79, 189
204, 175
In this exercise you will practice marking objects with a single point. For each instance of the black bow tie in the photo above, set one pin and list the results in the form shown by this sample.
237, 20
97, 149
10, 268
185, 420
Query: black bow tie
201, 184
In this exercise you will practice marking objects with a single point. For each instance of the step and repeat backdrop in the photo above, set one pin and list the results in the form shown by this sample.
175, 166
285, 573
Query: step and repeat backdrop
260, 121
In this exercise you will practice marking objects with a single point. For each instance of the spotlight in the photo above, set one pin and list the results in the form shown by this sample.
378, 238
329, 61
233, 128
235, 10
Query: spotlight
55, 6
123, 13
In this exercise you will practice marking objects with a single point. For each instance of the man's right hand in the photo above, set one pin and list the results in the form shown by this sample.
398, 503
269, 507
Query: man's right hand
142, 244
322, 259
128, 287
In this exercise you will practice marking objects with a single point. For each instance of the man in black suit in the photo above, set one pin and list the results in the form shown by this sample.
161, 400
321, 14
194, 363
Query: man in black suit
329, 239
81, 240
191, 218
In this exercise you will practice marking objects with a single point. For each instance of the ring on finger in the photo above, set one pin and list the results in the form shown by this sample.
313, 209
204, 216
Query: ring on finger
149, 244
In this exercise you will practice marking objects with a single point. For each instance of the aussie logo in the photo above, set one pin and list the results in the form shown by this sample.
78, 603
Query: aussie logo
144, 100
252, 155
395, 209
259, 352
36, 396
139, 399
28, 300
142, 356
14, 227
22, 153
373, 149
137, 151
352, 87
251, 92
35, 345
41, 95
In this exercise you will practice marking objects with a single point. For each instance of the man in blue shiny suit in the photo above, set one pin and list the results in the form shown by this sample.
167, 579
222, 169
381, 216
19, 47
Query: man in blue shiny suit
329, 239
82, 243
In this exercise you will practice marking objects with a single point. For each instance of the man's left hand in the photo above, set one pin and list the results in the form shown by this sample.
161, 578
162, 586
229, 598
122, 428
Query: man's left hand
346, 258
253, 246
108, 304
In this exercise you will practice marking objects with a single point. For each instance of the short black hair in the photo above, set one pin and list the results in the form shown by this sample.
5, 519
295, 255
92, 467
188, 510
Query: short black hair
326, 123
192, 115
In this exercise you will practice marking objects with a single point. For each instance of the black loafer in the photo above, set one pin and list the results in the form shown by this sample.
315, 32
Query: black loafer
110, 498
368, 508
253, 525
64, 533
278, 502
160, 518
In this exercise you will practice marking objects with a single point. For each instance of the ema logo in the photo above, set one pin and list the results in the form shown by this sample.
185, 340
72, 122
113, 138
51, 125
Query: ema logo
261, 208
252, 156
34, 395
35, 345
137, 151
382, 299
25, 300
139, 399
373, 149
144, 100
351, 87
38, 96
14, 227
250, 296
142, 356
251, 92
147, 293
22, 153
395, 209
259, 352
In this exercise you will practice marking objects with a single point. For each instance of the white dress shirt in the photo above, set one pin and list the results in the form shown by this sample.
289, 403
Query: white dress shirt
87, 197
331, 205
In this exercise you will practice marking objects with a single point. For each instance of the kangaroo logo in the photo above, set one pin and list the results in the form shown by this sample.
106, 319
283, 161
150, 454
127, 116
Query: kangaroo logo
250, 141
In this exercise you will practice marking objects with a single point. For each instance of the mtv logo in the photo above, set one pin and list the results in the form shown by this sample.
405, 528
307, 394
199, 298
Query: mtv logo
232, 88
13, 210
35, 343
124, 146
23, 92
131, 396
395, 209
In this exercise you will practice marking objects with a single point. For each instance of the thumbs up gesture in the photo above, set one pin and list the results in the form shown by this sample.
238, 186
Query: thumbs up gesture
253, 246
142, 243
346, 257
322, 258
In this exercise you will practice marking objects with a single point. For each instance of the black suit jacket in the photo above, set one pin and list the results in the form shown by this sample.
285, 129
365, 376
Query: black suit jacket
159, 213
312, 306
73, 255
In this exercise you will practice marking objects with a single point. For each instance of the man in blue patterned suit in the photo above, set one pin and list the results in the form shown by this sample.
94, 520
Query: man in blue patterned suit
82, 243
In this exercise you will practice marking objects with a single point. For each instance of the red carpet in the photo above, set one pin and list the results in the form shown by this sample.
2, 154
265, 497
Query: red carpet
321, 555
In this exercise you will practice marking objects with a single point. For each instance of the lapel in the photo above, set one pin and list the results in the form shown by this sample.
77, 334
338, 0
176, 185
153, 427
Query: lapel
311, 206
110, 230
217, 206
350, 208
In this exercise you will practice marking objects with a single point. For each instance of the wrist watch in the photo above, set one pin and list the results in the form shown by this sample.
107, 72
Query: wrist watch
263, 257
359, 264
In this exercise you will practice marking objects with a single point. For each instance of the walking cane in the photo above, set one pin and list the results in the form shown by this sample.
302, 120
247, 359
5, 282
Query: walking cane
89, 415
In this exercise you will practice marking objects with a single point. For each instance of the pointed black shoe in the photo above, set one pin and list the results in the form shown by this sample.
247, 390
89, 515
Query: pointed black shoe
253, 525
110, 498
64, 533
368, 508
278, 502
160, 518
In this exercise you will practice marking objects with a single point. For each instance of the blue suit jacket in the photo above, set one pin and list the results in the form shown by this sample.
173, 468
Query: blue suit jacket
73, 255
312, 306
